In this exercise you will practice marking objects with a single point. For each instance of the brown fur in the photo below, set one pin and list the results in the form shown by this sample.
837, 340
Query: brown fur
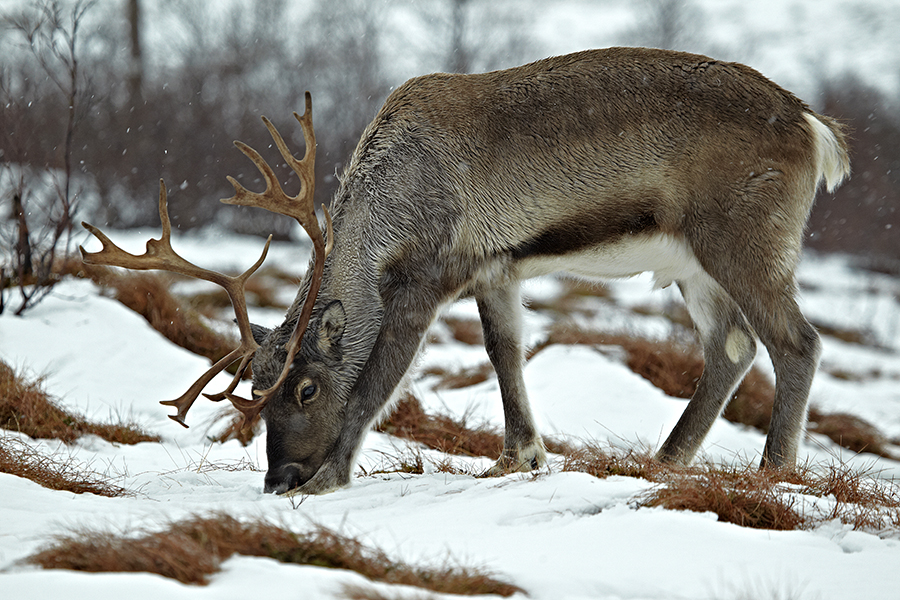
601, 163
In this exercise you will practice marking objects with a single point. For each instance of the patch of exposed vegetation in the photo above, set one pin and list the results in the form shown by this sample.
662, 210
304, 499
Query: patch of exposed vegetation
453, 380
441, 432
746, 496
743, 495
191, 551
23, 460
233, 428
751, 497
850, 336
25, 407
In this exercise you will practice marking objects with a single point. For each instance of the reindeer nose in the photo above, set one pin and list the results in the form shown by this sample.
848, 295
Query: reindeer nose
282, 479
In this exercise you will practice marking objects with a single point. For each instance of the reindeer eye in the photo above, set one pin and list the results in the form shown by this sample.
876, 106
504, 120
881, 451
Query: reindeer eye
307, 392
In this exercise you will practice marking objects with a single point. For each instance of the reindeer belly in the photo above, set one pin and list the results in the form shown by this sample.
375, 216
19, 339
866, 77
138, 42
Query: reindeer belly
667, 256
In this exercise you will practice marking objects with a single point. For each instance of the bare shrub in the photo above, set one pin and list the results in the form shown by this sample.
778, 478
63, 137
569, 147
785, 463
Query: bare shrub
28, 409
192, 550
23, 460
470, 36
36, 152
669, 24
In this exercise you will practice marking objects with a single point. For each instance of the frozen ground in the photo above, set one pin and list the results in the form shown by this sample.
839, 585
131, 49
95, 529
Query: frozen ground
559, 535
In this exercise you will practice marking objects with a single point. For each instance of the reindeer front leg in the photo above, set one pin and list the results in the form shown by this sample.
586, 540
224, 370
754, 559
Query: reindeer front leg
410, 306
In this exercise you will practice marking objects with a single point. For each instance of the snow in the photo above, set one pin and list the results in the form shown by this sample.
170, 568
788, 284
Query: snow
556, 534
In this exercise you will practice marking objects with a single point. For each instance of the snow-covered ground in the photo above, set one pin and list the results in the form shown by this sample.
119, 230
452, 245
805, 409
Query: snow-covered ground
559, 535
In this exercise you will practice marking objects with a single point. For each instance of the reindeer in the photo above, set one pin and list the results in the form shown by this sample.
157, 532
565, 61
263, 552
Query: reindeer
601, 164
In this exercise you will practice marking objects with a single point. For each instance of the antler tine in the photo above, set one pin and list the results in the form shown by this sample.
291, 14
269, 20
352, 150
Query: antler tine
274, 197
300, 207
160, 255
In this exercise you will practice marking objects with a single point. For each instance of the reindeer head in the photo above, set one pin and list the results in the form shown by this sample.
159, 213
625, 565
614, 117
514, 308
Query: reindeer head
286, 394
303, 418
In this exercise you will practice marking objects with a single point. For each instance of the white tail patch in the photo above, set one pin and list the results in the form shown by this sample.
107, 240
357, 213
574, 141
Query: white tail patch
832, 160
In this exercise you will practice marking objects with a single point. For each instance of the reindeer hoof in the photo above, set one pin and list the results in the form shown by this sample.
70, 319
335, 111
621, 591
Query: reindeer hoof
525, 459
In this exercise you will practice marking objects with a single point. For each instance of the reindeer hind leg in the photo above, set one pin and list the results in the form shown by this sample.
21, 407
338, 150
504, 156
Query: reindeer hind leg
500, 310
728, 351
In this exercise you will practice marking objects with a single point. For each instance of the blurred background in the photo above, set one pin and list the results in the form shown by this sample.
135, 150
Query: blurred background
100, 99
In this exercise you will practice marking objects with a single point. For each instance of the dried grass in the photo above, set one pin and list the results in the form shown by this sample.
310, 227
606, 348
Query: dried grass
751, 497
25, 407
441, 432
744, 496
860, 498
596, 461
193, 550
232, 429
850, 336
674, 366
358, 592
467, 331
850, 432
454, 380
23, 460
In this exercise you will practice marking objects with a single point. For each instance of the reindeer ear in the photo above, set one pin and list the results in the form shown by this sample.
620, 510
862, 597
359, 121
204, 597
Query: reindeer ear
259, 332
331, 327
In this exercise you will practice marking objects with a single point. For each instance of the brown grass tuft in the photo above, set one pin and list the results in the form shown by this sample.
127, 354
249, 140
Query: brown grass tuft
358, 592
849, 432
675, 366
192, 550
28, 409
463, 378
467, 331
232, 429
748, 497
23, 460
441, 432
861, 499
596, 461
850, 336
751, 497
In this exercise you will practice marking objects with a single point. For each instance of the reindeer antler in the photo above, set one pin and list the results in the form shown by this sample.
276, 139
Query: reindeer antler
300, 207
160, 255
